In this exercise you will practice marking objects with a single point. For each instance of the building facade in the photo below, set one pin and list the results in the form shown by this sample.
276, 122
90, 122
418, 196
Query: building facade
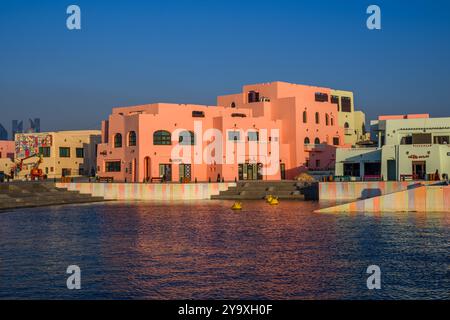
6, 158
410, 147
62, 153
268, 131
7, 149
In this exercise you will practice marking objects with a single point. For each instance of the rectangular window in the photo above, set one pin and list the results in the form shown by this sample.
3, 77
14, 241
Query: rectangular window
317, 163
421, 138
335, 99
321, 97
253, 96
198, 114
44, 151
352, 169
80, 152
441, 140
346, 104
64, 152
112, 166
335, 141
238, 115
234, 136
253, 136
406, 140
66, 172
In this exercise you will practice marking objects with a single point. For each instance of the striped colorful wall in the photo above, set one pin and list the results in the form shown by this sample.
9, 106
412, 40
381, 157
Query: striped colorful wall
346, 191
123, 191
421, 199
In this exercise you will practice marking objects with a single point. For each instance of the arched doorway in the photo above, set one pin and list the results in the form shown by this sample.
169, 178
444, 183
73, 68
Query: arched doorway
147, 169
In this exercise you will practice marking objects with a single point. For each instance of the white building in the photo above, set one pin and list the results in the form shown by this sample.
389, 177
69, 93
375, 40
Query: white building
411, 147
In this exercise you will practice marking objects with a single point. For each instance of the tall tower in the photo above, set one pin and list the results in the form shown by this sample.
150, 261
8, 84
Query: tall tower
17, 127
3, 133
35, 125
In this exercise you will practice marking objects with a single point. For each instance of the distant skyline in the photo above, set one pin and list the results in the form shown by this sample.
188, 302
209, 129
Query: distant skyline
131, 52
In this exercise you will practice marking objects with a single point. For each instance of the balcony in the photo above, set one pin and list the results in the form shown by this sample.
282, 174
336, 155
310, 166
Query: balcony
314, 147
348, 131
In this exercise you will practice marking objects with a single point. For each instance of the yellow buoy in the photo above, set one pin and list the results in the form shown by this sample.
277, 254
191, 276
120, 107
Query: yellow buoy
269, 198
274, 201
237, 206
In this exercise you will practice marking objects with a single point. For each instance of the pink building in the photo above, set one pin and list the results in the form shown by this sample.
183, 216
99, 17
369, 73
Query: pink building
268, 131
7, 149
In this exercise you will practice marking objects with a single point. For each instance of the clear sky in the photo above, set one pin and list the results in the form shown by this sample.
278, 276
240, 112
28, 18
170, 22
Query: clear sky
136, 52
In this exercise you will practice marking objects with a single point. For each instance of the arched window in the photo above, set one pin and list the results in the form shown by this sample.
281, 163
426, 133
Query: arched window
233, 105
317, 141
346, 125
118, 141
162, 138
305, 117
307, 140
327, 119
317, 118
132, 139
332, 121
187, 138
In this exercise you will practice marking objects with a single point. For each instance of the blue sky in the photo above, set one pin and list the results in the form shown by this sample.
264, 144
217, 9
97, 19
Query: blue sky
133, 52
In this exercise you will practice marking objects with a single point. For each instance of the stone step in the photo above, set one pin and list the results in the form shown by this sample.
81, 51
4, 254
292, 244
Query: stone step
37, 194
260, 189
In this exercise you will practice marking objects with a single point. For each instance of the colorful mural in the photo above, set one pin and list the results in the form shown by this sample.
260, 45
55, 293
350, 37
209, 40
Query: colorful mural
421, 199
346, 191
160, 191
28, 145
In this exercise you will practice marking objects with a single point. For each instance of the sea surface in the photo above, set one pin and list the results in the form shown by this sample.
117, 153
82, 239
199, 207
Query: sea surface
204, 250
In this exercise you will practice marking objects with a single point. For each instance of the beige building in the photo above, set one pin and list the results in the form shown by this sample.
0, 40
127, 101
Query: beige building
352, 121
57, 154
410, 147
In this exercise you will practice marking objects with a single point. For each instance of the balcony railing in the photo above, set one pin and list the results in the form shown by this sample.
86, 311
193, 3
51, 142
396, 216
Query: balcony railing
314, 147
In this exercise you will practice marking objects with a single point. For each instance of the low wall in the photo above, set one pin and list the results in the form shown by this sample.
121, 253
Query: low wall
421, 199
128, 191
347, 191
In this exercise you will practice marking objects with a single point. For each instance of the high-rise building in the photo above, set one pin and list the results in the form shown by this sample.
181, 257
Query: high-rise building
3, 133
35, 126
17, 127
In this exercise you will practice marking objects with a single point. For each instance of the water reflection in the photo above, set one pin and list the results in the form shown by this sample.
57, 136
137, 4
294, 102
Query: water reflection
204, 251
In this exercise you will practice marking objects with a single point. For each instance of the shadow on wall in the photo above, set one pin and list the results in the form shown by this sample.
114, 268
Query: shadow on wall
294, 172
376, 192
415, 185
370, 193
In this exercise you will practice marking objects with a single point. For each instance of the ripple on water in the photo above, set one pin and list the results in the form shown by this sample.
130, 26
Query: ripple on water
203, 250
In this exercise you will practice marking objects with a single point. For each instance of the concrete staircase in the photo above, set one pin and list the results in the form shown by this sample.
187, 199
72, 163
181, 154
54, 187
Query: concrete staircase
38, 194
256, 190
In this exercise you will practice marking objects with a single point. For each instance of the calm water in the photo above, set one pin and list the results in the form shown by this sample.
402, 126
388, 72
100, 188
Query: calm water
206, 251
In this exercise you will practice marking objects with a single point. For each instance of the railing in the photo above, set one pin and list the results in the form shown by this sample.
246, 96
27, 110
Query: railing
409, 177
372, 177
314, 147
